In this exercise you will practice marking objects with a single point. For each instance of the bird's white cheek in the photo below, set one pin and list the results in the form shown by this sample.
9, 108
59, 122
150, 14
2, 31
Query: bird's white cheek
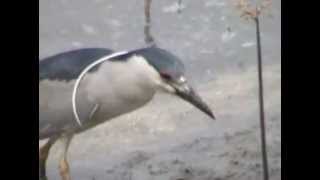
151, 74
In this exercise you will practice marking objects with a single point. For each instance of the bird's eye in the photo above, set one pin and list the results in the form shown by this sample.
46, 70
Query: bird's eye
165, 76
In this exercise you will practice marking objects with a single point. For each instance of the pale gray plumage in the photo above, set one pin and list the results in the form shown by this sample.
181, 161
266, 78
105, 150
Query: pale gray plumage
114, 88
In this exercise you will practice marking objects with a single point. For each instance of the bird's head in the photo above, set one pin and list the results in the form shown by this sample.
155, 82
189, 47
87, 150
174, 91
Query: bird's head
171, 71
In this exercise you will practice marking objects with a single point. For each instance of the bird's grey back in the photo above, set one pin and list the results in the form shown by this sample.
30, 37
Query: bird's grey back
68, 66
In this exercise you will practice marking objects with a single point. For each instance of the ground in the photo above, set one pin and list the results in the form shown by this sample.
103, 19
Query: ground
170, 139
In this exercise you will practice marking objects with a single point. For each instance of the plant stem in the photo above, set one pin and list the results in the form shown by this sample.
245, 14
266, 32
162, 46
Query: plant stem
261, 103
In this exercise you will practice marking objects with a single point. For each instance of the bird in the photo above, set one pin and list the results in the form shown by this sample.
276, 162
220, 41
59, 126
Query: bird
113, 88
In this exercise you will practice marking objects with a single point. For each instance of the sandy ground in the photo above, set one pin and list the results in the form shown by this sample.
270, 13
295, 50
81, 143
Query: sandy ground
169, 139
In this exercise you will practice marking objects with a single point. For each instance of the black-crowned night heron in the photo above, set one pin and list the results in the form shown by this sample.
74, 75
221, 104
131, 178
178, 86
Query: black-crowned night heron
113, 88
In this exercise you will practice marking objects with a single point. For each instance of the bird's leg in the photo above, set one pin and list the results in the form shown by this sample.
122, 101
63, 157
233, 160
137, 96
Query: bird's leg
63, 163
43, 156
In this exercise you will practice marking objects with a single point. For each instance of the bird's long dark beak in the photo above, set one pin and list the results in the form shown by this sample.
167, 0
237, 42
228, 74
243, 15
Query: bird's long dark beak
187, 93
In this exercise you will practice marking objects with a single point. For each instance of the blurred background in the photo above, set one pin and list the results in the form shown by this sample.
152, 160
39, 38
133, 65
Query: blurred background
169, 139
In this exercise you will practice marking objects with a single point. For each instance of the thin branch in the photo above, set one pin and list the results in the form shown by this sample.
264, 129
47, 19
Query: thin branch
180, 5
147, 11
261, 103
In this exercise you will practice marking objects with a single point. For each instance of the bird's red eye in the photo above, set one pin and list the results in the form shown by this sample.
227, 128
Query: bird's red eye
165, 76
